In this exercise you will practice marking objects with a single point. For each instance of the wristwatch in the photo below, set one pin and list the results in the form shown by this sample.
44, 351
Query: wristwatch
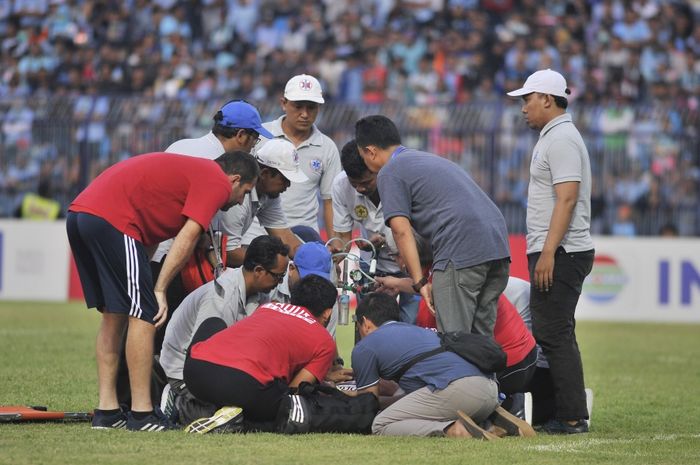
417, 286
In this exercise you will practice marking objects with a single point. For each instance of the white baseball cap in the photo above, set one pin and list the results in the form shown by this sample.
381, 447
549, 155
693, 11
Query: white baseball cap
544, 81
303, 87
281, 154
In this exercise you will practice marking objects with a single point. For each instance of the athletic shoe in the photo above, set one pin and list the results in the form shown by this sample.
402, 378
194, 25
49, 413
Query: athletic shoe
101, 420
563, 427
476, 431
589, 405
513, 425
225, 420
156, 421
167, 404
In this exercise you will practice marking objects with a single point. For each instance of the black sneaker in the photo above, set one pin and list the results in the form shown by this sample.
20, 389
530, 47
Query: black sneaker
156, 421
564, 427
102, 420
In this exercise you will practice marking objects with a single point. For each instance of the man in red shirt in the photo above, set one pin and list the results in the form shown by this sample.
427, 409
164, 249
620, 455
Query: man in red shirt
252, 364
113, 226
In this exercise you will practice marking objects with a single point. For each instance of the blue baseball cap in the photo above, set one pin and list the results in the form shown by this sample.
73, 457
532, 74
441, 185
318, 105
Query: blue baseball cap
313, 258
243, 115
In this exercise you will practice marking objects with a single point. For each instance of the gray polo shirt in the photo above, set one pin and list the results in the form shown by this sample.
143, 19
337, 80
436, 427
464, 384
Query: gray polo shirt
200, 305
238, 219
444, 205
560, 155
319, 159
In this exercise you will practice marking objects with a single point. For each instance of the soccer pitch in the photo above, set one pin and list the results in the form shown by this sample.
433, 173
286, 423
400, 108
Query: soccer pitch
646, 379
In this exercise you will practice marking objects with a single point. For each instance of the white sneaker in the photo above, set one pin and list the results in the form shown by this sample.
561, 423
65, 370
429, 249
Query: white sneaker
589, 404
223, 416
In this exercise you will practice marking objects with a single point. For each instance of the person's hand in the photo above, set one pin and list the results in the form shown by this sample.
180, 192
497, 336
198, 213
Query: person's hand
377, 240
162, 314
338, 374
544, 272
427, 293
388, 285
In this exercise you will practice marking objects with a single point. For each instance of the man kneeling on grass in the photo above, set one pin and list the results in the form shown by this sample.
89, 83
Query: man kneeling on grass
247, 369
446, 395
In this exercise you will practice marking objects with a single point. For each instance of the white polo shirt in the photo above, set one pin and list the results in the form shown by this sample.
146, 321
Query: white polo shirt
319, 159
349, 206
207, 146
236, 221
560, 155
200, 305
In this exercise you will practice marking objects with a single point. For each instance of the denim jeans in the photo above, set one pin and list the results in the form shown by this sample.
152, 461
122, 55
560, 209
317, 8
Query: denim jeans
554, 325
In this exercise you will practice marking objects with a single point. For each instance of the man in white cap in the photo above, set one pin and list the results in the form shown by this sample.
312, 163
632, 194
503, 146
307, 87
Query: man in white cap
559, 246
279, 168
318, 155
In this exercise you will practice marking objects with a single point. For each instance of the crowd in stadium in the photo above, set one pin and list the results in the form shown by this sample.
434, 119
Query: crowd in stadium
635, 65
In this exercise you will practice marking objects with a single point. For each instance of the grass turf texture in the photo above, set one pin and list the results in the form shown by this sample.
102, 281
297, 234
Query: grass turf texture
646, 380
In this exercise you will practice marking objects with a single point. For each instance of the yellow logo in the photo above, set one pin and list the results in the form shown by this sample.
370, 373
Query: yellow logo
361, 212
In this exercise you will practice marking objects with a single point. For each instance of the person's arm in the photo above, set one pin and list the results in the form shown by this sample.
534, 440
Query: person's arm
394, 284
286, 236
179, 253
566, 196
328, 216
406, 243
234, 258
301, 376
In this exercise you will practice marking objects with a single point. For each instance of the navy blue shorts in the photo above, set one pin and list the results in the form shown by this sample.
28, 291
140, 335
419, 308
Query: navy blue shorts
114, 269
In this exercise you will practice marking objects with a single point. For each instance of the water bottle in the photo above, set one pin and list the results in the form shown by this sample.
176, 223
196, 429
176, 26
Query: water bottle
344, 309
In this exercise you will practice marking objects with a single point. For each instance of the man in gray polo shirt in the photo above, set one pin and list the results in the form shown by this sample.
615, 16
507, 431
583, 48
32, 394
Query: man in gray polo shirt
443, 204
279, 168
318, 155
246, 288
559, 246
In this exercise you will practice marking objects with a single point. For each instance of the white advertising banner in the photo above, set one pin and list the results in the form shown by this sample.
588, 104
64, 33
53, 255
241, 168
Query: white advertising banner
33, 260
640, 279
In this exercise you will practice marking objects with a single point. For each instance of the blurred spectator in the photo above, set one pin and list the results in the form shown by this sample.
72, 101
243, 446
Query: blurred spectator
122, 76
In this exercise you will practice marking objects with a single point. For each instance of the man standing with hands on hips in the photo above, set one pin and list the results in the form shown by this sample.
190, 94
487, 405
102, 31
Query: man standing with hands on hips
559, 246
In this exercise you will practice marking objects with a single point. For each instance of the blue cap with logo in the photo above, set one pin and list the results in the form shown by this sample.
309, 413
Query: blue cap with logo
313, 258
241, 114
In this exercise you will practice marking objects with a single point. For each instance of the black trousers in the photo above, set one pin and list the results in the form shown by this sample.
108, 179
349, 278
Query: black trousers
554, 325
517, 377
226, 386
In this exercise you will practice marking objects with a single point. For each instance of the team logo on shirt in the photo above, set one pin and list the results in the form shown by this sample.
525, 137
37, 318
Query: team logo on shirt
316, 165
361, 212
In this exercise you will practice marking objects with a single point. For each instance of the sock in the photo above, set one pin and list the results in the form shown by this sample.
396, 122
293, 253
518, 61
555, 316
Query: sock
108, 412
141, 415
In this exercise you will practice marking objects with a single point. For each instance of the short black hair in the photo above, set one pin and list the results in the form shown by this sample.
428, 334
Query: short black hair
263, 251
378, 307
376, 130
561, 102
314, 293
351, 160
240, 163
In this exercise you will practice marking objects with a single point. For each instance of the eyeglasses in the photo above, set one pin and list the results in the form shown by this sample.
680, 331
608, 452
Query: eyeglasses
253, 134
278, 276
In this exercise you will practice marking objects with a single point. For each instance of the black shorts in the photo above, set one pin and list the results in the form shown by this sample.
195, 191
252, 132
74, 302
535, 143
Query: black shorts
114, 268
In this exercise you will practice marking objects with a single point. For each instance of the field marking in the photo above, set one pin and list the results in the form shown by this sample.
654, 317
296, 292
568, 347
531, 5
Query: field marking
584, 445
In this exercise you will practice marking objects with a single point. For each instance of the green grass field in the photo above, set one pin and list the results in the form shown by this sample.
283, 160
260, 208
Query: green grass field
646, 380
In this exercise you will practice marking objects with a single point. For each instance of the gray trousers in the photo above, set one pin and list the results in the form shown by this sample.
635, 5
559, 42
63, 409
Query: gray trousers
466, 299
428, 413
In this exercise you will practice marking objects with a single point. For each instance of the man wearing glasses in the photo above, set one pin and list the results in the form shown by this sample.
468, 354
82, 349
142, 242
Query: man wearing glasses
264, 266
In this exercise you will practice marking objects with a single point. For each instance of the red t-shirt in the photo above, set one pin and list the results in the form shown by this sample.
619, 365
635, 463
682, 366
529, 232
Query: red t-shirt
149, 197
276, 341
510, 330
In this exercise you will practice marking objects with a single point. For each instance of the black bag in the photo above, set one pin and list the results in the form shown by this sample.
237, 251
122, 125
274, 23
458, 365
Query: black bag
324, 409
482, 351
